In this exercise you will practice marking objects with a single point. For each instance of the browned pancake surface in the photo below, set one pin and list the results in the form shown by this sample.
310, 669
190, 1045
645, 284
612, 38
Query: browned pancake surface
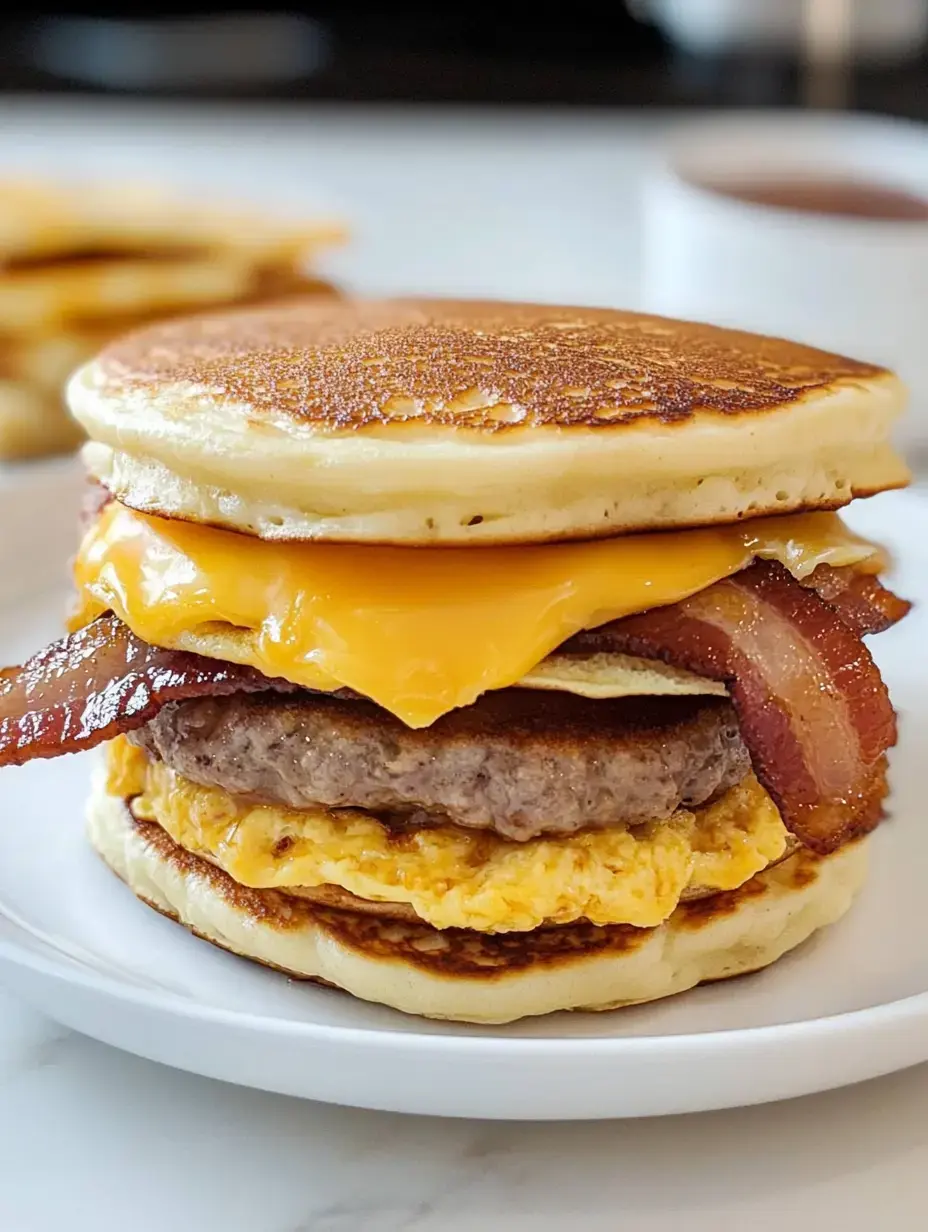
488, 366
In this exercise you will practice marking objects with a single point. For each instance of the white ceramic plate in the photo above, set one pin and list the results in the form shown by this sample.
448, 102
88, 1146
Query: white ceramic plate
850, 1005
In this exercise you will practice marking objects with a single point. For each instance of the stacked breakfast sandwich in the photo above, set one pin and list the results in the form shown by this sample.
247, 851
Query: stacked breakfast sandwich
480, 659
79, 267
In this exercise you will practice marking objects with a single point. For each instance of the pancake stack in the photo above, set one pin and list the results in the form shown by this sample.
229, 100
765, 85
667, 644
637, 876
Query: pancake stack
79, 268
480, 659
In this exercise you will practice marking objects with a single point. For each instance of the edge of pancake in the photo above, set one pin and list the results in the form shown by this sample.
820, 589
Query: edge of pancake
469, 977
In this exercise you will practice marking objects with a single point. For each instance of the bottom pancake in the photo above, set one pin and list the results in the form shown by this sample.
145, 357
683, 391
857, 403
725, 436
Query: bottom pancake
473, 977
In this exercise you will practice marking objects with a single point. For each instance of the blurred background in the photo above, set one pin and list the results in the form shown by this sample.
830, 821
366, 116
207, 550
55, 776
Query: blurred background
633, 156
633, 53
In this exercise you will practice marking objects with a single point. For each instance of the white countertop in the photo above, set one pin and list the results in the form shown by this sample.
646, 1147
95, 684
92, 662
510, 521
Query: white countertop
542, 207
92, 1138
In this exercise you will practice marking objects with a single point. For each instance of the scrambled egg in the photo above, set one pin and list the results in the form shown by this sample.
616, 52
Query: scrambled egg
457, 878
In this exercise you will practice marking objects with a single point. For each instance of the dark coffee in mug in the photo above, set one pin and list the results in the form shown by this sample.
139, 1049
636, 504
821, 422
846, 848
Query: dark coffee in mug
843, 198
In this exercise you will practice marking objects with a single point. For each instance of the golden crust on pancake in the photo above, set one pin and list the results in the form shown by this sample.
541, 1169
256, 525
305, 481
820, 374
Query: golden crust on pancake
418, 421
495, 367
471, 977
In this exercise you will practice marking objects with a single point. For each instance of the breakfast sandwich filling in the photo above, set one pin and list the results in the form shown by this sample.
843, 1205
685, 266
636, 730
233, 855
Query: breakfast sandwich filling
458, 878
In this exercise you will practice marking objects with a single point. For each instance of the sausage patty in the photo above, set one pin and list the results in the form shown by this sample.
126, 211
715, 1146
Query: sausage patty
521, 762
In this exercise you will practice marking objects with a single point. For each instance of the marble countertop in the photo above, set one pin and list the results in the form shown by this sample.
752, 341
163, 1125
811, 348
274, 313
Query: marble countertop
90, 1138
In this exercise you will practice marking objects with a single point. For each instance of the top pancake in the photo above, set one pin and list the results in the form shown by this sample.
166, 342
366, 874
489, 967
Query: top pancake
418, 421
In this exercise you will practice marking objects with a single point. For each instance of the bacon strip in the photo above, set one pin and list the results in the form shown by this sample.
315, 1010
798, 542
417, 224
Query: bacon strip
812, 707
100, 682
860, 599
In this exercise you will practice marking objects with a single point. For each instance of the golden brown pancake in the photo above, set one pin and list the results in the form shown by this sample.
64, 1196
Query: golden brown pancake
458, 422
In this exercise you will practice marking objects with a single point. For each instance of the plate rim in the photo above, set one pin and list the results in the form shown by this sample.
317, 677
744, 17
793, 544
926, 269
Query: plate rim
846, 1022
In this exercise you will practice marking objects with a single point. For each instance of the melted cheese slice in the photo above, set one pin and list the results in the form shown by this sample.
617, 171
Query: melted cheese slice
420, 630
456, 878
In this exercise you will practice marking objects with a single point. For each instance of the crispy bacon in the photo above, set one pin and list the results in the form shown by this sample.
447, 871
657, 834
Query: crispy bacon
860, 599
812, 707
100, 682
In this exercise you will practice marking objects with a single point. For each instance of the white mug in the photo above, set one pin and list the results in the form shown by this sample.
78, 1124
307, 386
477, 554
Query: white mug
858, 286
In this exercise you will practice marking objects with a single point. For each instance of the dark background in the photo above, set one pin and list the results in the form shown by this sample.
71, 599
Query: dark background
569, 54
